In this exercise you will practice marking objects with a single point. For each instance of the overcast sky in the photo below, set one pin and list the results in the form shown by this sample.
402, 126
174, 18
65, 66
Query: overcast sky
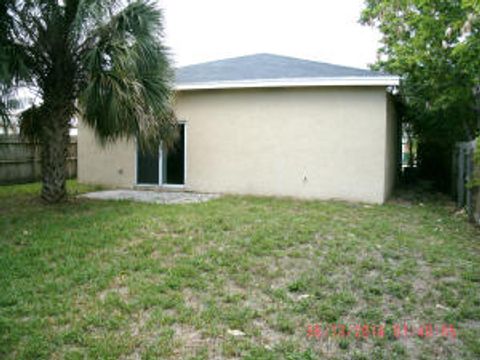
323, 30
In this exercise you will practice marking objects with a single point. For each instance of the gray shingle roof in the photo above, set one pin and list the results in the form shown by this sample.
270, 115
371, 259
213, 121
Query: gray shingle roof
263, 67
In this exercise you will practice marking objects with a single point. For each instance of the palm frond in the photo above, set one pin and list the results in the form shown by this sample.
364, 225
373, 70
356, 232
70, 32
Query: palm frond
5, 116
128, 90
30, 124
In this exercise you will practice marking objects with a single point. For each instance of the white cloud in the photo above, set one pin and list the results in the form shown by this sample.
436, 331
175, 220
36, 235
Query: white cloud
320, 30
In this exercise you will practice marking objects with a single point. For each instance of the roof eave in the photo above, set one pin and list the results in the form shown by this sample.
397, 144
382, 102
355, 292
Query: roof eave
286, 83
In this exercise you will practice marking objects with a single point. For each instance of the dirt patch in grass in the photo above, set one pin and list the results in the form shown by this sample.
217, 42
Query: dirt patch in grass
268, 336
190, 341
116, 287
192, 300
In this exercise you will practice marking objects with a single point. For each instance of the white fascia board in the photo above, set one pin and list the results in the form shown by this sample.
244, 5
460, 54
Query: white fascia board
293, 82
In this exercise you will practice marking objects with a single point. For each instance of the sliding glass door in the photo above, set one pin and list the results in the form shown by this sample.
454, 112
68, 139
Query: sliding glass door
165, 166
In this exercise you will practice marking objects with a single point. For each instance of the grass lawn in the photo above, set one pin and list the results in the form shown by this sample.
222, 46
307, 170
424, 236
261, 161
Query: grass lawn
94, 279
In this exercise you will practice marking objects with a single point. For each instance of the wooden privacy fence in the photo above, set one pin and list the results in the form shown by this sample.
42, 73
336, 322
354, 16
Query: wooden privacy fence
20, 160
463, 170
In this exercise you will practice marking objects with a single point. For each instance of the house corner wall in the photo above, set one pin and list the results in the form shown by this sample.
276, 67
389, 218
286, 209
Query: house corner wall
313, 143
111, 165
391, 148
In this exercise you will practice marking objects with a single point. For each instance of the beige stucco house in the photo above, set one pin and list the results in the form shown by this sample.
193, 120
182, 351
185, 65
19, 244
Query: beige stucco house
265, 125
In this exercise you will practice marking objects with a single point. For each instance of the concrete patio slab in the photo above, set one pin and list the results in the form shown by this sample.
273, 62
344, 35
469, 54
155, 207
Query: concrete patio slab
157, 197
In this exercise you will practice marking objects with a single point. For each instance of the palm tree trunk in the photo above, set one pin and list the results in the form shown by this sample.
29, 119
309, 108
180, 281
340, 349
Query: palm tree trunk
54, 161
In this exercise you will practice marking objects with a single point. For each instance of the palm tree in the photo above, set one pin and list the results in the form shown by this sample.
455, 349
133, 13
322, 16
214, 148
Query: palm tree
100, 59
